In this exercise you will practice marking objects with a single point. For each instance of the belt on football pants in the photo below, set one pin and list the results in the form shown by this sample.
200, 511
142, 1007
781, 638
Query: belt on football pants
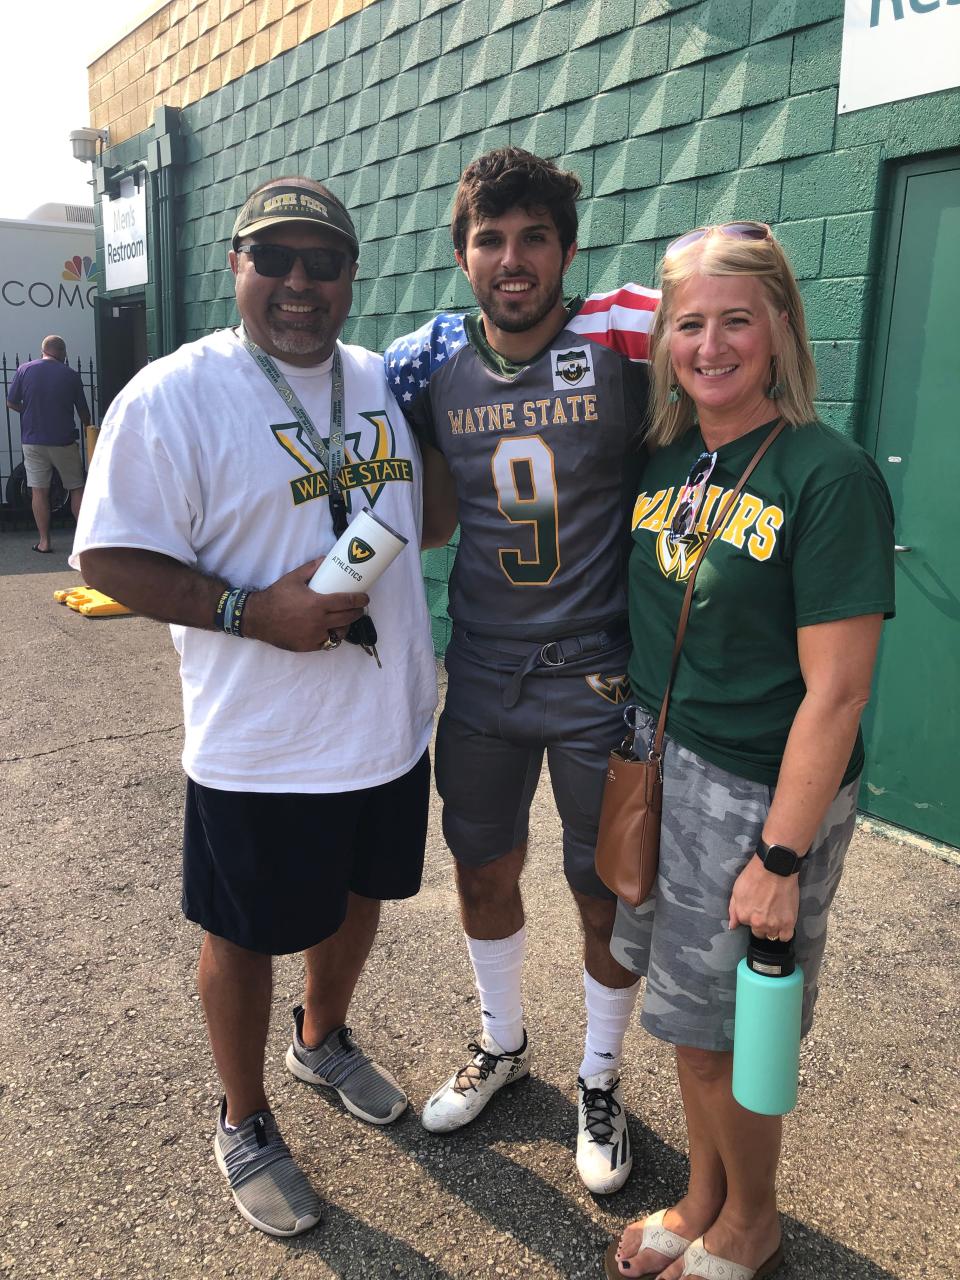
555, 653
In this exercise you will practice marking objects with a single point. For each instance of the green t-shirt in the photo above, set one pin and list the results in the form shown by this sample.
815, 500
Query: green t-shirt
809, 540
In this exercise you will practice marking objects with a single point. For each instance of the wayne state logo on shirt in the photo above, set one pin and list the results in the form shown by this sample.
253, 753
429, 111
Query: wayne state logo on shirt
677, 556
572, 368
369, 460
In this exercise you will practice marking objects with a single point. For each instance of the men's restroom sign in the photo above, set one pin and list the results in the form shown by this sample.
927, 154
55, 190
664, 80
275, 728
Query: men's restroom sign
125, 237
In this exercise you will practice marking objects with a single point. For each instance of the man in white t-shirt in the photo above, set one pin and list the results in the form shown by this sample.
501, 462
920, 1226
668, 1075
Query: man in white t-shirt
209, 505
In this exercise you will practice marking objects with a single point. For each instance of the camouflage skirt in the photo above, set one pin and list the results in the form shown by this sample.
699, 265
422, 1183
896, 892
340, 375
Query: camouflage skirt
678, 939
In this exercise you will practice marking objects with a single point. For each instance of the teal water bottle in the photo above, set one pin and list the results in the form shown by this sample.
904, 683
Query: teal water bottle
766, 1033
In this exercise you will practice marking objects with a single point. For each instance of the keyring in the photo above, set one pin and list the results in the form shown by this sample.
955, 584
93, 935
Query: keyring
331, 642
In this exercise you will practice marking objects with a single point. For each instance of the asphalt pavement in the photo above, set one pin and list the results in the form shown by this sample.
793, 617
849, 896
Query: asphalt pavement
108, 1095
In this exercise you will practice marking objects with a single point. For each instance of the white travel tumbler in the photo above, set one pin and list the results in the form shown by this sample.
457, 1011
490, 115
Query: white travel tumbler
356, 560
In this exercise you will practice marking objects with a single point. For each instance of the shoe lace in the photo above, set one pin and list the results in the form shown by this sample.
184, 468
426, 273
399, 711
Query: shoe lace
477, 1069
258, 1149
343, 1062
600, 1110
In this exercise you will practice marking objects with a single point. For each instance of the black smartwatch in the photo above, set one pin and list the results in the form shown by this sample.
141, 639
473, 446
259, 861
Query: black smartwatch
778, 858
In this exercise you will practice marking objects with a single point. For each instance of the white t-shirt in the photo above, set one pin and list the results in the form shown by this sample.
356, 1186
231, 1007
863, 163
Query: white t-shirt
199, 459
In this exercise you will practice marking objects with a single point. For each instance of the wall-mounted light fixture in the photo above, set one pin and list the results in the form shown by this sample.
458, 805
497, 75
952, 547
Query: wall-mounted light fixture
86, 143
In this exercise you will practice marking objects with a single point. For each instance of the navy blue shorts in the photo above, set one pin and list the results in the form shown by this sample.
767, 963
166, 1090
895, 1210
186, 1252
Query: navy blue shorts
272, 872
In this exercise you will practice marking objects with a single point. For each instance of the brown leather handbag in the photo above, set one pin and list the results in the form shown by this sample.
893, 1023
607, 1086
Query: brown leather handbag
628, 840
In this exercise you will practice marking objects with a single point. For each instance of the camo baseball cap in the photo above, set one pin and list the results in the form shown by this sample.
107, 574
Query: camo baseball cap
292, 203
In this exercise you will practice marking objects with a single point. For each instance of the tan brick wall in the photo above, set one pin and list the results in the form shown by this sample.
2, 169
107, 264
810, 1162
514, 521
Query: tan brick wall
189, 48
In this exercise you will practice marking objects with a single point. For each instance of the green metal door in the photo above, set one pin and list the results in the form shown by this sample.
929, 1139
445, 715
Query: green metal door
912, 775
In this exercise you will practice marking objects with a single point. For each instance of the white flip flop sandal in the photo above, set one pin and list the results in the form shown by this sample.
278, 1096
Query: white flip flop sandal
655, 1236
698, 1261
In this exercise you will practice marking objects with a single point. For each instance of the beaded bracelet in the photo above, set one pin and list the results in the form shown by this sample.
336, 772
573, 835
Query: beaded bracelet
228, 615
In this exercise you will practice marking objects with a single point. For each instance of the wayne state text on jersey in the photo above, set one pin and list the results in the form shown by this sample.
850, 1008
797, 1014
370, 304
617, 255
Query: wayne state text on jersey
548, 412
369, 460
752, 524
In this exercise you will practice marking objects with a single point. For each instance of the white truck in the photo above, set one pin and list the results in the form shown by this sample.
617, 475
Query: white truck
48, 284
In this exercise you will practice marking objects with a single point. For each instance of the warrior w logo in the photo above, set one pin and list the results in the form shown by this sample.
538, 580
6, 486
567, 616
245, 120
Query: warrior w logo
676, 557
613, 689
359, 551
368, 472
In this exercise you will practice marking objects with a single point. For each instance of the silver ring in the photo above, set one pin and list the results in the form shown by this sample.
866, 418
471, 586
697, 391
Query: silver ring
331, 642
773, 937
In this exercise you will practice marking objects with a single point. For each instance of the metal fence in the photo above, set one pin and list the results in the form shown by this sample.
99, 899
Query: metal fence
14, 496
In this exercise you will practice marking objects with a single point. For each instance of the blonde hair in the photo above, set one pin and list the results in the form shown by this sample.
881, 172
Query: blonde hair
792, 365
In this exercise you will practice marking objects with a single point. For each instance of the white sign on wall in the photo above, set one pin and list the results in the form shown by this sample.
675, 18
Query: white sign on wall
125, 237
895, 49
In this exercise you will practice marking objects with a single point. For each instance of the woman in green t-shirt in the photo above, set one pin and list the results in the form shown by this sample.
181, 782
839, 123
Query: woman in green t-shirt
763, 739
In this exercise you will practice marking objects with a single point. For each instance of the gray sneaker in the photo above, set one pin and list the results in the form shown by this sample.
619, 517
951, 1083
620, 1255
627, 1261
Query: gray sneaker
271, 1192
366, 1089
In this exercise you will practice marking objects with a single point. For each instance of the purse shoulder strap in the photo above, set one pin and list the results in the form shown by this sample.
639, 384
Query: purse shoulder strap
656, 750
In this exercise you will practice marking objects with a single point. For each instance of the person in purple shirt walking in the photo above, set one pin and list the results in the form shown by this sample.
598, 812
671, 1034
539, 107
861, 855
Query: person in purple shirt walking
45, 393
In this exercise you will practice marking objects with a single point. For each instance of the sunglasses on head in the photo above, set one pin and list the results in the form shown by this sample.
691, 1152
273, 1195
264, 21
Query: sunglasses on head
276, 261
733, 230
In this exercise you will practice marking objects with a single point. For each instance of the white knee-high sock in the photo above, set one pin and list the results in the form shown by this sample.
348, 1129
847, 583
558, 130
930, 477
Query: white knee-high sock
609, 1010
497, 967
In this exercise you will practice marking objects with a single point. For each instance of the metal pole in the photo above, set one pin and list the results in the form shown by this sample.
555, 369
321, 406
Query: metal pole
167, 267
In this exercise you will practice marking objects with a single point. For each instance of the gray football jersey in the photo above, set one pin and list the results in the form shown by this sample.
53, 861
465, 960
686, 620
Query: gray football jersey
545, 457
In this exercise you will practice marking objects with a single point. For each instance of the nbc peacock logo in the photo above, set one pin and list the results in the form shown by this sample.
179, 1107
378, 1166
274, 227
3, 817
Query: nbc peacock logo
76, 269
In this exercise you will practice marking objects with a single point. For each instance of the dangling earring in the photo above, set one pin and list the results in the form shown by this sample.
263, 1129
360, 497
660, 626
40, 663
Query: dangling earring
775, 389
674, 394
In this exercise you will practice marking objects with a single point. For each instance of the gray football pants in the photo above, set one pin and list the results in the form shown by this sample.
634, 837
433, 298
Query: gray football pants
489, 754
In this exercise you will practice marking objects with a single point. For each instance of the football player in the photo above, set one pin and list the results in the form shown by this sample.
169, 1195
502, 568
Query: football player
532, 409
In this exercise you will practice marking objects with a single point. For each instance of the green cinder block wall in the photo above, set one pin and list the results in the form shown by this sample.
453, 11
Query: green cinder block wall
673, 114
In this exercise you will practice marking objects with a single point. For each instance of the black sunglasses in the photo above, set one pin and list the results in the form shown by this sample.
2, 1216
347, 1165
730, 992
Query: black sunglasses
691, 499
276, 261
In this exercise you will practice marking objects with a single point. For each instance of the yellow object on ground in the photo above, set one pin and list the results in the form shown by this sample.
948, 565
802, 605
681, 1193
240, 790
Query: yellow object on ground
92, 604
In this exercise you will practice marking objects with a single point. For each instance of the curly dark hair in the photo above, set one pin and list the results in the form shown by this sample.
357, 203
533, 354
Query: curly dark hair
508, 178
